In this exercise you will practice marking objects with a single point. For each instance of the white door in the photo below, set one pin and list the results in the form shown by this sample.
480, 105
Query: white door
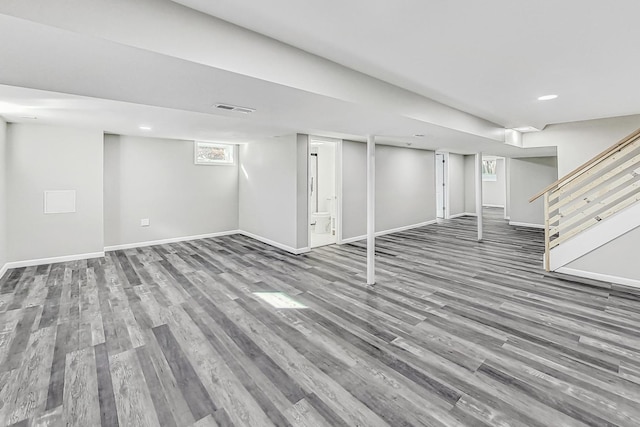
440, 184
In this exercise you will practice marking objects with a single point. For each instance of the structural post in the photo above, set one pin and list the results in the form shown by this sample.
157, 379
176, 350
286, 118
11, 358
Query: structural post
507, 188
371, 210
479, 194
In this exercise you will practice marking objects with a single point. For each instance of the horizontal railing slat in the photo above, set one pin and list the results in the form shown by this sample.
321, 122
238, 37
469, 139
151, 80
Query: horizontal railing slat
606, 163
600, 188
595, 207
593, 184
590, 164
613, 210
586, 201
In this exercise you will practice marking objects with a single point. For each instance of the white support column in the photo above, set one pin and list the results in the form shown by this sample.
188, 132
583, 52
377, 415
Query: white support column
507, 188
371, 209
479, 193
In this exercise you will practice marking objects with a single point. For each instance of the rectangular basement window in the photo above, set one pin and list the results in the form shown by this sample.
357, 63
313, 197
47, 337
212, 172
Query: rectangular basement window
209, 153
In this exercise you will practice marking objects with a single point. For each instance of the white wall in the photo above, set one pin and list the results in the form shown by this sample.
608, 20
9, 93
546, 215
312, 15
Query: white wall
302, 188
268, 195
354, 189
43, 158
3, 194
405, 188
456, 184
578, 142
157, 179
618, 258
470, 184
493, 192
528, 177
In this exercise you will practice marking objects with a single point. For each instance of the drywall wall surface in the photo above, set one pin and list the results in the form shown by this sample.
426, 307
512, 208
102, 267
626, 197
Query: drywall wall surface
302, 201
579, 142
528, 177
3, 193
269, 189
470, 184
456, 184
46, 158
405, 188
354, 189
156, 179
618, 258
493, 192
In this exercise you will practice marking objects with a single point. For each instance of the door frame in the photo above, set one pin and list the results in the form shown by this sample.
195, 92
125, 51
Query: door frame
446, 180
338, 184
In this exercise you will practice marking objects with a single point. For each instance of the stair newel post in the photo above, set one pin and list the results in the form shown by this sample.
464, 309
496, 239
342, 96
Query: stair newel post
546, 232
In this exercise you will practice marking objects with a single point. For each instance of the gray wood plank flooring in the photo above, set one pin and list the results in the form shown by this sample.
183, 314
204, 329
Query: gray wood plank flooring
455, 333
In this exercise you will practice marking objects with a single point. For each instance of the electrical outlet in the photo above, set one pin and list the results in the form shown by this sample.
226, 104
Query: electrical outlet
144, 222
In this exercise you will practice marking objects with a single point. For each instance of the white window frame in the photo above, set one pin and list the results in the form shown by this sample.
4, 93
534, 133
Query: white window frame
230, 161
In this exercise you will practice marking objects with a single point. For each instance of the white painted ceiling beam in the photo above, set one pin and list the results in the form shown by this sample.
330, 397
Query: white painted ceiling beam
173, 30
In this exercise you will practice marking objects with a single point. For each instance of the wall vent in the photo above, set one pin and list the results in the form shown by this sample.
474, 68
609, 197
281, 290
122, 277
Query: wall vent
235, 108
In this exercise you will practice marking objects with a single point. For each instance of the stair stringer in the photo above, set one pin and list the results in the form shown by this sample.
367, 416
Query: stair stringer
595, 236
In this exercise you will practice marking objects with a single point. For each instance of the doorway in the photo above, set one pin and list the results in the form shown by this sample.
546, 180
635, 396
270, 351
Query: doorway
323, 194
494, 183
441, 186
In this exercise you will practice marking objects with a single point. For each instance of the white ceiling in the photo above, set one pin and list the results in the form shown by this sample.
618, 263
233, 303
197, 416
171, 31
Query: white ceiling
73, 78
490, 58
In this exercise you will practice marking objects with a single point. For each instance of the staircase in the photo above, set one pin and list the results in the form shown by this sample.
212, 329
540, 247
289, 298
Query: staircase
591, 207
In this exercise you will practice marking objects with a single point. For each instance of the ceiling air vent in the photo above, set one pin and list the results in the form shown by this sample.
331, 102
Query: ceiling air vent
235, 108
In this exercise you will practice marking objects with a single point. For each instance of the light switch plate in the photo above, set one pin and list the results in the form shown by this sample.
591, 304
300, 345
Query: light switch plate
144, 222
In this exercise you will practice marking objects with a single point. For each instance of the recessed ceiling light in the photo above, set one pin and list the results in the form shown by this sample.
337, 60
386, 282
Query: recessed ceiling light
547, 97
145, 127
419, 135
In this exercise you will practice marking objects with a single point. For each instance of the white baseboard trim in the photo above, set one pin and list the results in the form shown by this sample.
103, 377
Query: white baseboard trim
171, 240
525, 224
352, 239
3, 270
599, 276
274, 243
390, 231
405, 228
461, 214
52, 260
493, 206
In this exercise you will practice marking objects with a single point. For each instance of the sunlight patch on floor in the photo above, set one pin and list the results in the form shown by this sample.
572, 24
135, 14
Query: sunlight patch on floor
279, 300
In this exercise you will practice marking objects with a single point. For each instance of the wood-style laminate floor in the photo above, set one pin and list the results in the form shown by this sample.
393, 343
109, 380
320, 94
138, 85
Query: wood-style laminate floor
455, 333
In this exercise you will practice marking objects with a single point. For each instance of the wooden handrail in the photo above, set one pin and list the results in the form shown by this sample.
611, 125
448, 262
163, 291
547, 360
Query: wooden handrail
591, 163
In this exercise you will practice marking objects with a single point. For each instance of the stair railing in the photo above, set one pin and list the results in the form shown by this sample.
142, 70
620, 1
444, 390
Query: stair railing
603, 186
